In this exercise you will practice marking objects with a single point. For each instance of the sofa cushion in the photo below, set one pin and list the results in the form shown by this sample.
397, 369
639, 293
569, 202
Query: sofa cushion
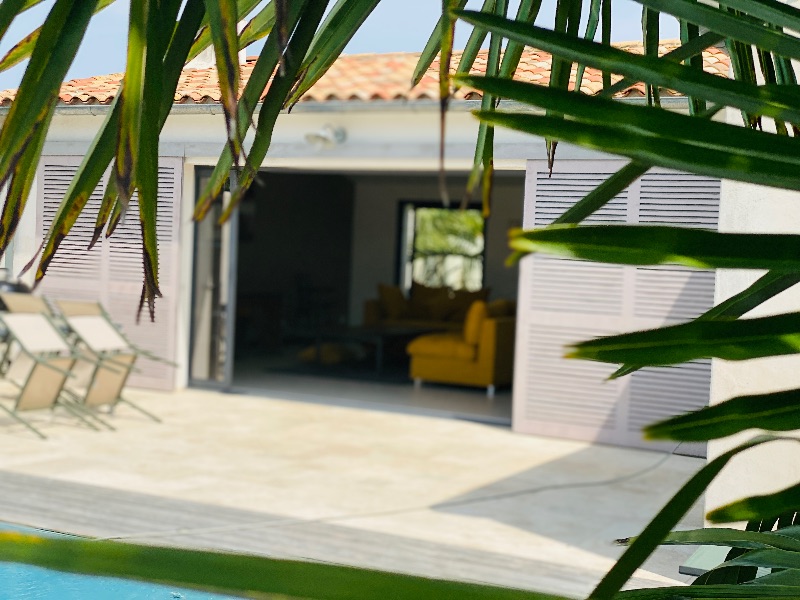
461, 300
392, 302
442, 345
428, 302
474, 321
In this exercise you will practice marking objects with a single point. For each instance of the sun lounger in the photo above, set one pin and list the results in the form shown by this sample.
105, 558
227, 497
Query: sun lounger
106, 358
41, 368
112, 358
76, 308
17, 302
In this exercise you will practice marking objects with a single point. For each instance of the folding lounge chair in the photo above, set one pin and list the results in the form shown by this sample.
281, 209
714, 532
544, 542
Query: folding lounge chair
77, 308
16, 302
112, 357
44, 364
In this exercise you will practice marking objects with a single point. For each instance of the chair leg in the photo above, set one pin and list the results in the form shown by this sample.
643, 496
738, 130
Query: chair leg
74, 402
93, 415
490, 392
19, 419
77, 413
140, 409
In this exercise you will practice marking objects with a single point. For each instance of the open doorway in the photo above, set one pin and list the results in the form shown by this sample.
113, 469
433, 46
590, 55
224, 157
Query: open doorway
312, 251
294, 267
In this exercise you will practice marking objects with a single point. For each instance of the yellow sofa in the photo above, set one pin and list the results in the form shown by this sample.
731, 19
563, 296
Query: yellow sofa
432, 308
481, 355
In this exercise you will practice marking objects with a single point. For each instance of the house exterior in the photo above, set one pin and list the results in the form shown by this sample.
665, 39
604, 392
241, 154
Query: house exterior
344, 160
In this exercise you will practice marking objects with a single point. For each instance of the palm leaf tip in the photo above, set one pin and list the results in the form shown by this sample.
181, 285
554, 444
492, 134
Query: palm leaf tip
765, 507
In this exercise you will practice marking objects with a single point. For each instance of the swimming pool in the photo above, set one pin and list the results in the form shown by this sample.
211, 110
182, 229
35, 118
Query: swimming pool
24, 582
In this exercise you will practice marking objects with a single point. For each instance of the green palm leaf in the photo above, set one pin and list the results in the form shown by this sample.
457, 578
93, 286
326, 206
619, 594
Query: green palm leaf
679, 154
22, 50
275, 98
526, 13
107, 204
432, 47
131, 100
770, 11
334, 34
203, 39
22, 178
567, 22
641, 547
101, 152
244, 575
262, 71
612, 186
91, 170
758, 507
595, 8
40, 84
258, 27
160, 28
448, 28
765, 287
482, 163
776, 411
738, 27
9, 9
743, 339
751, 591
690, 49
778, 102
475, 42
710, 135
655, 245
223, 19
786, 539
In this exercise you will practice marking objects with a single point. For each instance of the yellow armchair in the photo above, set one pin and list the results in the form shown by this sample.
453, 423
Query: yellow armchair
482, 355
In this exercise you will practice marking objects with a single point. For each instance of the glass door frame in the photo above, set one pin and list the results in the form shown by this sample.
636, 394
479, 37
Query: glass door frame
220, 340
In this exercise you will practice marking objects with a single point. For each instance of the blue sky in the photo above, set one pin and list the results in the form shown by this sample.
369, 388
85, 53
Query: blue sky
395, 25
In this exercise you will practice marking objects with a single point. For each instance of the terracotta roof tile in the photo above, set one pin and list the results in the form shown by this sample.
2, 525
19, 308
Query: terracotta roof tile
369, 78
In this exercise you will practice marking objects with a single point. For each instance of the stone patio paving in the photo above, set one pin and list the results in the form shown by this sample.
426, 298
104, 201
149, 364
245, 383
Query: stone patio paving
438, 497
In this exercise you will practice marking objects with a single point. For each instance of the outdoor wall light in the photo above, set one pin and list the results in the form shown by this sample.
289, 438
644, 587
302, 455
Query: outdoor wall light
326, 138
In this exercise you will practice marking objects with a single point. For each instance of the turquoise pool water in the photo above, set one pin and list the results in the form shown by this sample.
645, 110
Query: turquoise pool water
23, 582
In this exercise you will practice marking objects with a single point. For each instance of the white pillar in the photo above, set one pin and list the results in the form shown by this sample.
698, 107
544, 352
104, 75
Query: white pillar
756, 209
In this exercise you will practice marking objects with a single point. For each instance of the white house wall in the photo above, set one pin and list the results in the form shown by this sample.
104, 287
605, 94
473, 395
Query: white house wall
756, 209
398, 139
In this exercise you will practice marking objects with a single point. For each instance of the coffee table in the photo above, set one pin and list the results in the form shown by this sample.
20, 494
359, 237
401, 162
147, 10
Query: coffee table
378, 337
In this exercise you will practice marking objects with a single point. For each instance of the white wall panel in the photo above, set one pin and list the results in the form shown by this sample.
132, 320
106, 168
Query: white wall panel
563, 301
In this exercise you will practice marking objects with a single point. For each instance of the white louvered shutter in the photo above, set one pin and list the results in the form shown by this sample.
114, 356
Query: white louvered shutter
112, 272
562, 301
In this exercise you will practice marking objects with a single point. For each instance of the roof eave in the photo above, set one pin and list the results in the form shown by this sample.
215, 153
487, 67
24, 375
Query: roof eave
340, 106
